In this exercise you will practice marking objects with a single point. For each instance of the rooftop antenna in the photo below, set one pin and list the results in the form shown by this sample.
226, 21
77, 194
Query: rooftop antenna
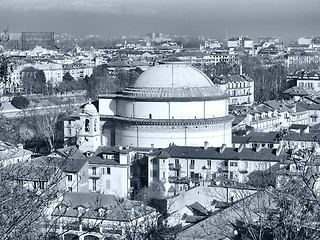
227, 34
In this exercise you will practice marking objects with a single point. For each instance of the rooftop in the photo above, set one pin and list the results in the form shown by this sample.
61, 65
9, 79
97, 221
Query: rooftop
172, 80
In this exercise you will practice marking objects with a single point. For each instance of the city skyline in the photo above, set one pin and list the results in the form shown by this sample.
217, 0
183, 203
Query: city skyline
288, 19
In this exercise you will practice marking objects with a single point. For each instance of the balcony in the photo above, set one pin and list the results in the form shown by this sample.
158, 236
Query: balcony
178, 180
96, 176
243, 170
173, 167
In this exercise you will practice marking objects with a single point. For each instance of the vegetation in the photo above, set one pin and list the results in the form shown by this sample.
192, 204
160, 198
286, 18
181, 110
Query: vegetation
34, 81
269, 81
101, 82
20, 102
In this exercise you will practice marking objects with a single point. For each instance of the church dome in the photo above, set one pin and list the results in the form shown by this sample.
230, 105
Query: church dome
173, 80
90, 108
172, 75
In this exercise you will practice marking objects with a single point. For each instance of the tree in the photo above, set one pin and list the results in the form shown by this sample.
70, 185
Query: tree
20, 102
40, 85
68, 83
100, 82
46, 122
125, 78
5, 63
22, 212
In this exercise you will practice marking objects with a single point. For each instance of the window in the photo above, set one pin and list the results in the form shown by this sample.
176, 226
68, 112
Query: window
154, 173
70, 189
233, 164
209, 163
231, 175
95, 125
192, 164
69, 177
41, 184
108, 170
86, 125
94, 171
163, 174
94, 184
102, 171
176, 161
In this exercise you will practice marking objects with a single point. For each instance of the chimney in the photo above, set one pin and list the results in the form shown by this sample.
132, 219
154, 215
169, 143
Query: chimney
278, 150
152, 147
206, 145
241, 73
258, 148
240, 147
222, 148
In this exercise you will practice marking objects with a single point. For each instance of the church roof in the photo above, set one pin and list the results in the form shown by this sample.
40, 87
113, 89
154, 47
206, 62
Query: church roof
173, 75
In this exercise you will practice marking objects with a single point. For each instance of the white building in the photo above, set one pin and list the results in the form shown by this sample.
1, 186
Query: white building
239, 87
168, 103
101, 216
180, 168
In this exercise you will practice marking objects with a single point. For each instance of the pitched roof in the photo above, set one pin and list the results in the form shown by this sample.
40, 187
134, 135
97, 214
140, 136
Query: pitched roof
116, 209
99, 160
299, 126
70, 152
221, 224
238, 119
73, 165
275, 105
264, 154
298, 91
198, 210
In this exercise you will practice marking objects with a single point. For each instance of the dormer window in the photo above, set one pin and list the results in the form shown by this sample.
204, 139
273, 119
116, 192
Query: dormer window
102, 212
81, 211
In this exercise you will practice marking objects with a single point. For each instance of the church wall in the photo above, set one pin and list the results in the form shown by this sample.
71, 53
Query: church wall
107, 106
217, 108
176, 110
162, 136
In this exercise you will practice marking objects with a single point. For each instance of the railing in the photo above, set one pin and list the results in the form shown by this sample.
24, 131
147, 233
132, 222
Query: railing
173, 167
174, 179
91, 175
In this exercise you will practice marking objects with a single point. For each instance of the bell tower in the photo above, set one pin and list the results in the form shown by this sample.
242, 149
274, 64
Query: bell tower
89, 134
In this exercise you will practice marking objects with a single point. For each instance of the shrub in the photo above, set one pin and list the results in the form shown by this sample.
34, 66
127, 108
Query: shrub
20, 102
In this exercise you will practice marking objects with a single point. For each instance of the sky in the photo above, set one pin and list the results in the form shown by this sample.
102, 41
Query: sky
212, 18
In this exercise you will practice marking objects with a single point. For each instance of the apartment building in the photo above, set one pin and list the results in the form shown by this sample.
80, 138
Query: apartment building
181, 167
239, 87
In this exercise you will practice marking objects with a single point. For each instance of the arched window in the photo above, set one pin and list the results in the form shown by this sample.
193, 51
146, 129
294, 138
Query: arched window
87, 125
95, 125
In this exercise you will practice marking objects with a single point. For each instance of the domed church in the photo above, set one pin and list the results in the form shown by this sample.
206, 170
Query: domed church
170, 103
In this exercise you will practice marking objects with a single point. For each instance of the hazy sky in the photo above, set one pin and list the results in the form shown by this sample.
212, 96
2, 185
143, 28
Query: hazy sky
279, 18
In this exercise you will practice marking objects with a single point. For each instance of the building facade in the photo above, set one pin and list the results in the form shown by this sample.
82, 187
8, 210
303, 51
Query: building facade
239, 87
169, 103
